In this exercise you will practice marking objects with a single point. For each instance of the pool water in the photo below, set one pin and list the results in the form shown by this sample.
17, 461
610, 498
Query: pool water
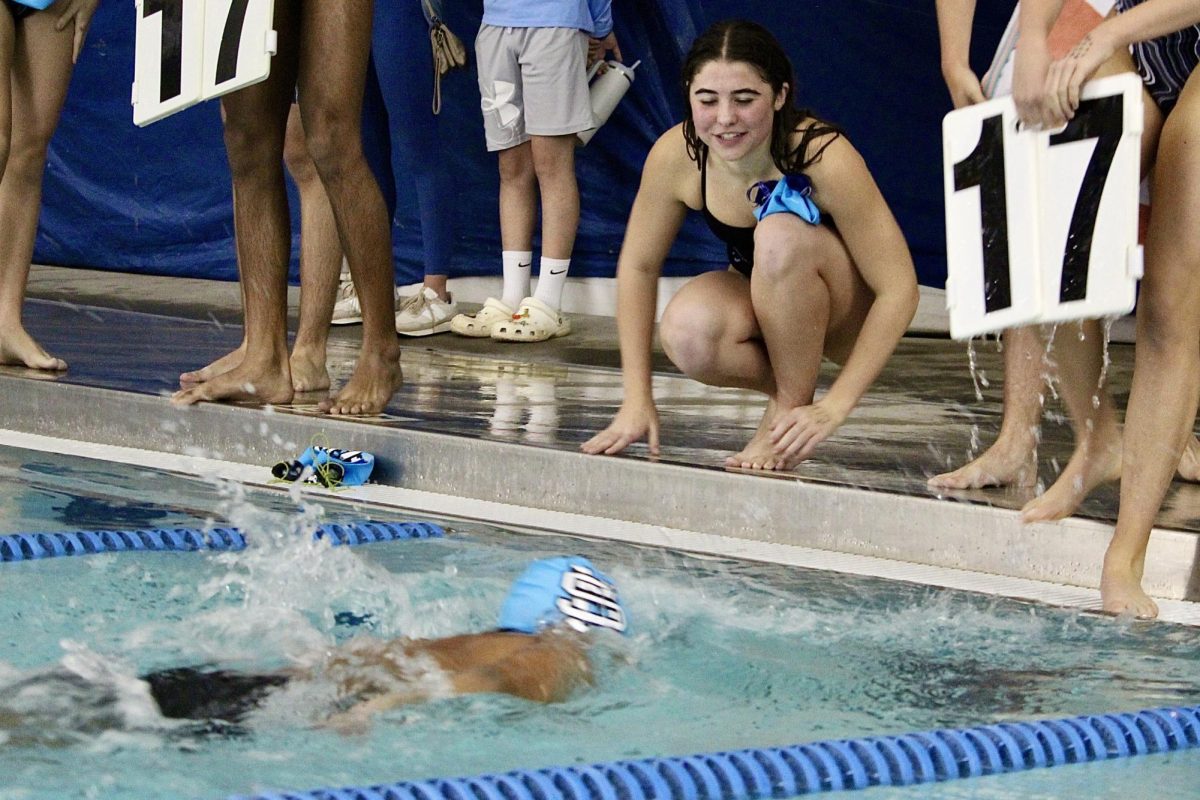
722, 654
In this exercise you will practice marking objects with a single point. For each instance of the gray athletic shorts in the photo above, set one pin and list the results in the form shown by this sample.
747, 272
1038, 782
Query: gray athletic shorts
532, 81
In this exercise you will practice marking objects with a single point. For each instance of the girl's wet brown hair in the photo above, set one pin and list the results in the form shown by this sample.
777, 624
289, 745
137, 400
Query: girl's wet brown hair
751, 43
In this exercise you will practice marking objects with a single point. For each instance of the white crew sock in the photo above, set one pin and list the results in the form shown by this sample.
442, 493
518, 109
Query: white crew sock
518, 264
552, 277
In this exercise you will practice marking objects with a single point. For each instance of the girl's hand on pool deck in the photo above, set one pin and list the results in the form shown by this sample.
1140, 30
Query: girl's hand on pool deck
796, 433
634, 422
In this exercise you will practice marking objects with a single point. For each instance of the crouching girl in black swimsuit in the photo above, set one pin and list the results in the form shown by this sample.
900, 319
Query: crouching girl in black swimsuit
799, 288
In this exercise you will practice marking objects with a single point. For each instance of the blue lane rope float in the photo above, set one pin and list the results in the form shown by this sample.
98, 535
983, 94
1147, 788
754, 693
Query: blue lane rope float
31, 546
780, 772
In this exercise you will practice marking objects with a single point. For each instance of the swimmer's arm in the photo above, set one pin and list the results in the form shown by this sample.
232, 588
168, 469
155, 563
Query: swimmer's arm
954, 19
357, 718
843, 187
658, 212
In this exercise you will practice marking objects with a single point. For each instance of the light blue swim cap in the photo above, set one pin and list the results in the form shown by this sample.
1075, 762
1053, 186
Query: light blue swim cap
563, 589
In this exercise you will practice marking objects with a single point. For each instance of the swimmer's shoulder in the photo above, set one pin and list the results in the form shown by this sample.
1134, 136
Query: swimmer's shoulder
670, 168
831, 152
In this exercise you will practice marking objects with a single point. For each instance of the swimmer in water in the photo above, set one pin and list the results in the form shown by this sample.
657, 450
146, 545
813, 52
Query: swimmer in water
538, 651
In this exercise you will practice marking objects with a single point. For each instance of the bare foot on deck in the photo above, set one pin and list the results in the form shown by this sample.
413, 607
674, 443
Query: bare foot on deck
1000, 465
19, 349
760, 452
309, 373
1121, 590
1090, 466
376, 378
269, 387
219, 367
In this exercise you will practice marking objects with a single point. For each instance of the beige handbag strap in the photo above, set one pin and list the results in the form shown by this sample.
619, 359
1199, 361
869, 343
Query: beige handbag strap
448, 53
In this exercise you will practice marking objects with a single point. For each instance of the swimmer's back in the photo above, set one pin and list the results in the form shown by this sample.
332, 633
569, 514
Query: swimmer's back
545, 666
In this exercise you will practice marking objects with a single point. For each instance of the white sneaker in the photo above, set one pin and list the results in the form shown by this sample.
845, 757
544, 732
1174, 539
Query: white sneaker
425, 314
346, 311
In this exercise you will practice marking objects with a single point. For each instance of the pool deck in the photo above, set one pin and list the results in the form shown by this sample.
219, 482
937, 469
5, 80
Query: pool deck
497, 422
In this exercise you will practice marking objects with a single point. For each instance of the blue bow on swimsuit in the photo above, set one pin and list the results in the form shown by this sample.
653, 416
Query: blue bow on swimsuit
792, 194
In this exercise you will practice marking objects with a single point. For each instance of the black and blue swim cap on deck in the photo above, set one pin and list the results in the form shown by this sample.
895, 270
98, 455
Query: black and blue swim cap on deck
563, 589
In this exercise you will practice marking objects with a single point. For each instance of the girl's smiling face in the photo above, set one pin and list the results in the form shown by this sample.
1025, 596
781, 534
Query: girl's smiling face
733, 108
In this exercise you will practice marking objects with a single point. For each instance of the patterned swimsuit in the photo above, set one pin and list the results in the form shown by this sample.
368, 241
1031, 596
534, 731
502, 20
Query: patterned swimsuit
1166, 62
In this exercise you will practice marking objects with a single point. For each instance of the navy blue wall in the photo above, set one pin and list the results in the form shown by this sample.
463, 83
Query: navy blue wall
157, 200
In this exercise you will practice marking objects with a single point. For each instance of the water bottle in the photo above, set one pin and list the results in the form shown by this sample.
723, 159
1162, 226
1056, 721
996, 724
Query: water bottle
606, 91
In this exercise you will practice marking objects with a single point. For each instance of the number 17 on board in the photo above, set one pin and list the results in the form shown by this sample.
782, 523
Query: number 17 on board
1042, 226
191, 50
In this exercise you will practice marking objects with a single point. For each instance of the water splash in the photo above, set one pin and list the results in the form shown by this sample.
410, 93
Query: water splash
972, 365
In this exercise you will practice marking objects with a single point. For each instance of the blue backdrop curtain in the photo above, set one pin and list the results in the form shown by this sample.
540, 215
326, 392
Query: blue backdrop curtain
157, 200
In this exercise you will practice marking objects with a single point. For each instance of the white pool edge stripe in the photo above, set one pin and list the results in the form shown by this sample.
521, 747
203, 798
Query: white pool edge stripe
504, 514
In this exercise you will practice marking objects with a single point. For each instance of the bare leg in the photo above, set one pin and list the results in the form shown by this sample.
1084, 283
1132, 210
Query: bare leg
255, 121
554, 164
438, 284
1166, 377
1097, 455
320, 263
1012, 458
41, 70
809, 301
710, 332
518, 197
333, 64
8, 43
724, 332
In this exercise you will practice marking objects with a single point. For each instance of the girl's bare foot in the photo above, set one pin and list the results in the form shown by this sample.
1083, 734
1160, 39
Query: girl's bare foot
267, 386
1092, 464
1121, 589
376, 378
309, 373
219, 367
18, 349
1003, 464
760, 452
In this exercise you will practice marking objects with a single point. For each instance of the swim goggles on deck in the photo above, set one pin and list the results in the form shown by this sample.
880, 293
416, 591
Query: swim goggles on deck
792, 194
328, 467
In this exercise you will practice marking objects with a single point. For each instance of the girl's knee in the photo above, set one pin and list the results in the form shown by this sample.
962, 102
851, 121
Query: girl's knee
788, 249
690, 340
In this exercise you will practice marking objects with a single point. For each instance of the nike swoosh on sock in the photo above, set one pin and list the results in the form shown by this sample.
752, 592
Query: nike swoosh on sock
557, 272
